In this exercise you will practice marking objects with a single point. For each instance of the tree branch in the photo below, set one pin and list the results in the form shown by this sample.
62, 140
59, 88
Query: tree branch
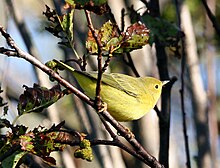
128, 55
150, 160
44, 68
162, 64
137, 146
183, 63
199, 98
99, 58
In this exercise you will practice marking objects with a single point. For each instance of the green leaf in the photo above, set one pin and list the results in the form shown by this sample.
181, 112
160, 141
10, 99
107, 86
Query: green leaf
92, 46
26, 142
84, 154
52, 65
85, 150
13, 160
62, 26
85, 144
106, 32
41, 142
66, 22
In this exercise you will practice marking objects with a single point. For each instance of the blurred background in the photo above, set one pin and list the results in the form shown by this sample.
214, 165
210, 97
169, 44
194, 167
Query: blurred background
201, 80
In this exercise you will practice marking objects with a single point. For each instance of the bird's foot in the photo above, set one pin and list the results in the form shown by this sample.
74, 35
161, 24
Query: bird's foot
103, 107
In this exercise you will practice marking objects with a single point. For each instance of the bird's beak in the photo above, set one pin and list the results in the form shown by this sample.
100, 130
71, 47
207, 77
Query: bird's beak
165, 82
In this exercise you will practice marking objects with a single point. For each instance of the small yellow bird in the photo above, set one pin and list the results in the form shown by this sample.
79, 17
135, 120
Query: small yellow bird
128, 98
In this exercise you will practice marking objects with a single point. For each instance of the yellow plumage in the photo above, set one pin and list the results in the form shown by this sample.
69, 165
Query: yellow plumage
128, 98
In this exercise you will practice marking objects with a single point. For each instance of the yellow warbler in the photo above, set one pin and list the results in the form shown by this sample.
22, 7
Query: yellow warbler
128, 98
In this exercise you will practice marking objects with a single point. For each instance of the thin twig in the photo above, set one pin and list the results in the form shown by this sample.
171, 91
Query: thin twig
79, 62
212, 18
122, 19
84, 62
162, 64
107, 61
112, 134
183, 63
120, 145
115, 142
99, 58
128, 55
8, 51
95, 142
138, 147
131, 65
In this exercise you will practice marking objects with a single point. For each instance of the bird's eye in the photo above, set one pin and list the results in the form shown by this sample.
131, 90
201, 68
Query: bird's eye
156, 86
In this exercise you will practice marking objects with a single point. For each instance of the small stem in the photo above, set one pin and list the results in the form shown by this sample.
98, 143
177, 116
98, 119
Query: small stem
99, 58
183, 63
122, 19
120, 145
106, 63
131, 65
84, 63
113, 135
128, 55
151, 160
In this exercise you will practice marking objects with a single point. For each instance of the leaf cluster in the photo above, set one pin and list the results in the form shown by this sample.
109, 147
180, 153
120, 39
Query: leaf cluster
18, 142
61, 26
167, 33
135, 37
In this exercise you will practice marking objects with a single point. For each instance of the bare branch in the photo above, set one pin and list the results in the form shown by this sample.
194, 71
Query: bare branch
137, 146
199, 99
8, 52
99, 58
183, 63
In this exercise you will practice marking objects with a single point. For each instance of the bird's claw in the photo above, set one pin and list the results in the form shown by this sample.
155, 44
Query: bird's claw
103, 107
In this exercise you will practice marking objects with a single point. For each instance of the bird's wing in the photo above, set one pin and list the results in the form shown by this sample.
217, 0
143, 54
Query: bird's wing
125, 83
119, 81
